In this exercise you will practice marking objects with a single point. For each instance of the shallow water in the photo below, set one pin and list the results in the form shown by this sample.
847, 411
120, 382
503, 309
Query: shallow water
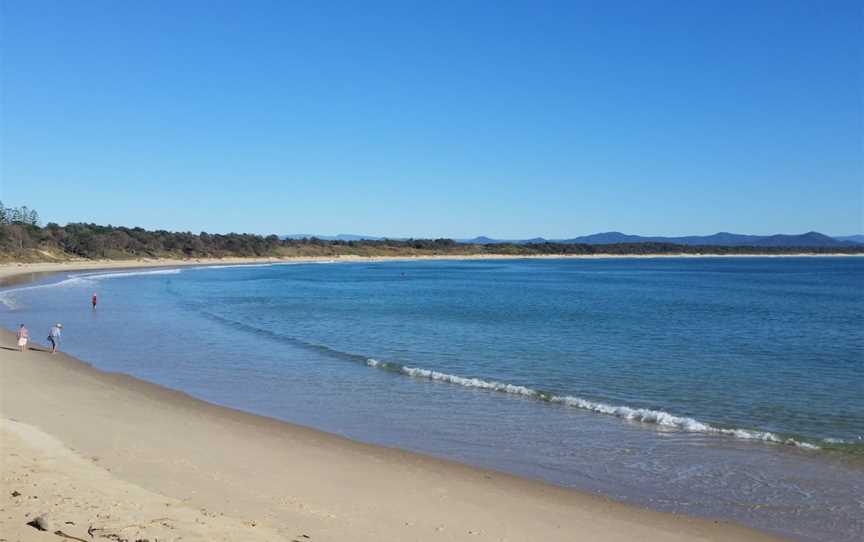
728, 388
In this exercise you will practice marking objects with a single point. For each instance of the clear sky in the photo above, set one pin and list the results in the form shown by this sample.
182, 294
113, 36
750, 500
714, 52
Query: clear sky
510, 119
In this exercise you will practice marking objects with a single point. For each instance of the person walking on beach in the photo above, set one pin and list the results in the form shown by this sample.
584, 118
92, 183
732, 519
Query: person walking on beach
54, 337
93, 300
23, 338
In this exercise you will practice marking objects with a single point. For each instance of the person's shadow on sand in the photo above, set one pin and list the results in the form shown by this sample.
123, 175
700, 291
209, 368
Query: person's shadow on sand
12, 349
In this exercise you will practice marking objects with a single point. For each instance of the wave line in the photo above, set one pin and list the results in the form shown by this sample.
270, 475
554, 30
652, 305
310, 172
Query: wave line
643, 415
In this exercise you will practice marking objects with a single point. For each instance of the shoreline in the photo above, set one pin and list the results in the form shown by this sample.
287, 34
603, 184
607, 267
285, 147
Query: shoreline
157, 442
17, 272
254, 472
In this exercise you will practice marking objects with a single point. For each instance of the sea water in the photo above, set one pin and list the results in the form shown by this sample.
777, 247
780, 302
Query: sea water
723, 387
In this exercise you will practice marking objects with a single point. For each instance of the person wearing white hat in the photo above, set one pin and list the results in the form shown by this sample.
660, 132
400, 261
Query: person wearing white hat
54, 337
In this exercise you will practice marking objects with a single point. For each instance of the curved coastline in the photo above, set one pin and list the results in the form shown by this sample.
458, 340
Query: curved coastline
155, 436
16, 272
11, 276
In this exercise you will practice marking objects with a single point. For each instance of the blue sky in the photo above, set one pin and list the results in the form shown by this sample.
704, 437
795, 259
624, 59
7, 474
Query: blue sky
510, 119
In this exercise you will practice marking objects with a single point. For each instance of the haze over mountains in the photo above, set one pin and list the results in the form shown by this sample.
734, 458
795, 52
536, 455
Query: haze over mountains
809, 239
853, 238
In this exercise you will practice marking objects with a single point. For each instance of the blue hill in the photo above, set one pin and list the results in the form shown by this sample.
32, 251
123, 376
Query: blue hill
809, 239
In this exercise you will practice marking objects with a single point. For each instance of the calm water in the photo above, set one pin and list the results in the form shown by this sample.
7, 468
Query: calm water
728, 388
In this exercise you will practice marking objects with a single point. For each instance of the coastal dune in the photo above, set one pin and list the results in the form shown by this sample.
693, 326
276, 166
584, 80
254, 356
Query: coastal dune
108, 455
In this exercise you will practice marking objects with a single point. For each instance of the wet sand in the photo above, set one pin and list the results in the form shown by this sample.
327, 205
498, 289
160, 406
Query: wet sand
124, 459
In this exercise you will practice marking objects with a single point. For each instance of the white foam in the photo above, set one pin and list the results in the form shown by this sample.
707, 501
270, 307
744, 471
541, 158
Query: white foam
642, 415
8, 300
267, 264
121, 274
7, 296
831, 440
469, 382
682, 423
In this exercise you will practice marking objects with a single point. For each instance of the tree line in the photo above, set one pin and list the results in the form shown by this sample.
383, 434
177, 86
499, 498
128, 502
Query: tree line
19, 215
23, 238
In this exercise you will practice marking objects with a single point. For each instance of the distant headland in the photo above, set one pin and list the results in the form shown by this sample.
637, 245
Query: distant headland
721, 239
23, 238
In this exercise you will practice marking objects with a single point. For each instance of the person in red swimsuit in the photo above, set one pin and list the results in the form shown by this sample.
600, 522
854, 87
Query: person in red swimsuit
94, 301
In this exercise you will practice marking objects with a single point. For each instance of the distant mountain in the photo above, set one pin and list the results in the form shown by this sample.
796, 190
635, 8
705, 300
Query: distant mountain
483, 240
721, 239
809, 239
851, 238
608, 238
337, 237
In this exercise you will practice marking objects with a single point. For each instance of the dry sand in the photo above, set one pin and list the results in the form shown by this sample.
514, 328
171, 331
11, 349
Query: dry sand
101, 455
47, 486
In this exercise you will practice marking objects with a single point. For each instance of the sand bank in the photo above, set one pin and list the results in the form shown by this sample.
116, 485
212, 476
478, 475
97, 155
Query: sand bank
108, 453
22, 272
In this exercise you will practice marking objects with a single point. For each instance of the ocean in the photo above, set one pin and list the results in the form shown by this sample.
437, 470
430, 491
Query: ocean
729, 388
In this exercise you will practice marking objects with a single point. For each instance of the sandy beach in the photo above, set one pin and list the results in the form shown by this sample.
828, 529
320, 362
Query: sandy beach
431, 272
13, 272
90, 455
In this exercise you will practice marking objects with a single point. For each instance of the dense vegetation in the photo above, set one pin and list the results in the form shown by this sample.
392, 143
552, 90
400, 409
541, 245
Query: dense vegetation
23, 238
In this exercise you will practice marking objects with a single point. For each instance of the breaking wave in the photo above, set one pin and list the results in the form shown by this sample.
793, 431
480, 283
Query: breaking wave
643, 415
